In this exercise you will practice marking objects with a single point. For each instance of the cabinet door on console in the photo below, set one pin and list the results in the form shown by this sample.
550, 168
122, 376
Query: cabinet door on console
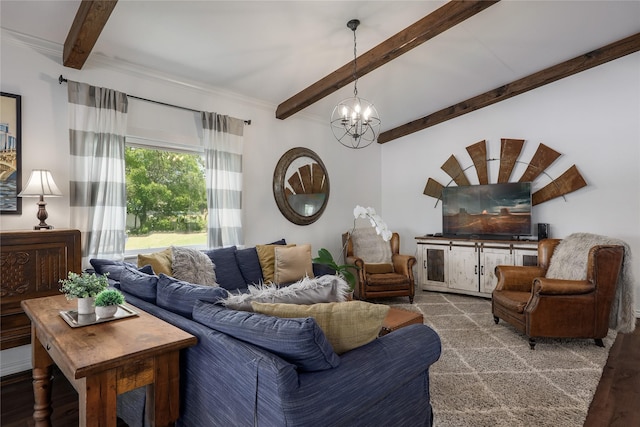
489, 259
32, 263
463, 268
434, 265
527, 256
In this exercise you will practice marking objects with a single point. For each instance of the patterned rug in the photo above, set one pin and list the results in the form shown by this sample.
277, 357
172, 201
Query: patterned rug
488, 376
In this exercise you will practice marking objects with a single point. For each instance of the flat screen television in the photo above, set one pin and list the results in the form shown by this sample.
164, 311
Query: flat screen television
486, 211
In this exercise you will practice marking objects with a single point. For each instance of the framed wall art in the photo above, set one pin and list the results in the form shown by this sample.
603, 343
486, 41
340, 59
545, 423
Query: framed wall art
10, 153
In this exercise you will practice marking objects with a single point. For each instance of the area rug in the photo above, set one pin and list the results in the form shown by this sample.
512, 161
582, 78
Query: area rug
488, 376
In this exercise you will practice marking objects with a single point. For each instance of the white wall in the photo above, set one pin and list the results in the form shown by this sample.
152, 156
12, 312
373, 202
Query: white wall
592, 118
31, 68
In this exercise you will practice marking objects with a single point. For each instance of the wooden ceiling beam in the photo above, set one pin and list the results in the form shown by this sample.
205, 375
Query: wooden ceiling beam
581, 63
440, 20
90, 19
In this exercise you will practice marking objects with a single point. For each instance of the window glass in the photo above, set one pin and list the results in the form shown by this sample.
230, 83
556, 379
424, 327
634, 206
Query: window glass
166, 199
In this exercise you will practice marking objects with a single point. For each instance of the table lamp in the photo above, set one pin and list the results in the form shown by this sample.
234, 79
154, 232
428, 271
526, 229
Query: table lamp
41, 184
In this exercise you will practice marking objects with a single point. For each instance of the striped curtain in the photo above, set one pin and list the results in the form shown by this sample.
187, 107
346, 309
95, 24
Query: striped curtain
97, 128
223, 161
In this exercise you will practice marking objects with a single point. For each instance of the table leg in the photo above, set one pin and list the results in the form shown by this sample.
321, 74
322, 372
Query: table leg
42, 364
163, 395
97, 398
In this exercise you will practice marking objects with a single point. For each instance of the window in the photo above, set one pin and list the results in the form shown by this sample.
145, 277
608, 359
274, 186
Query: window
166, 198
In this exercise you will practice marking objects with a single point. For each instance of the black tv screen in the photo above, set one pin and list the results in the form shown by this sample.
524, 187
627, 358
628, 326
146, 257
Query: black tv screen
487, 210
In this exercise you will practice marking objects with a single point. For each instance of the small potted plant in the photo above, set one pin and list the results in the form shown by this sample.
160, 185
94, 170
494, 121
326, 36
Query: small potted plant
85, 287
342, 270
107, 302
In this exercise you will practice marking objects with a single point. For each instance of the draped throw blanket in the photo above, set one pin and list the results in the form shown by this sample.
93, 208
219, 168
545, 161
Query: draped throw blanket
97, 129
223, 143
569, 261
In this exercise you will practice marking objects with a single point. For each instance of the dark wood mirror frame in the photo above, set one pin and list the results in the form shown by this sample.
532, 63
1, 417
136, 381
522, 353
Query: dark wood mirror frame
280, 181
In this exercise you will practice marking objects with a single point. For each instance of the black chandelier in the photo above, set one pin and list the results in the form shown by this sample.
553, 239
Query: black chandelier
354, 121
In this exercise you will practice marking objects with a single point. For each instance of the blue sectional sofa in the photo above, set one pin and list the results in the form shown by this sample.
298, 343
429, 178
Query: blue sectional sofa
269, 371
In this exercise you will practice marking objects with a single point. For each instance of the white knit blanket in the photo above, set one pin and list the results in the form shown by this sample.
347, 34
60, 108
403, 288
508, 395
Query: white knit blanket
569, 261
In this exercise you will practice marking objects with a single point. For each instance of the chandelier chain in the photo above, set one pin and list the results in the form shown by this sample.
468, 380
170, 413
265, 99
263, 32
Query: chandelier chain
355, 65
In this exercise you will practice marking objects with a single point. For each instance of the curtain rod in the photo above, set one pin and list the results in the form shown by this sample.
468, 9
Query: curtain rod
63, 80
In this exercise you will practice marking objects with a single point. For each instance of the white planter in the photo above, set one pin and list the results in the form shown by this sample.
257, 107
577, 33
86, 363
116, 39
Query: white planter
85, 305
106, 311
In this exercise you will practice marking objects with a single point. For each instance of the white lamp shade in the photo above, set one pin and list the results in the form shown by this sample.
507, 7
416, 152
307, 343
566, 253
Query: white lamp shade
40, 184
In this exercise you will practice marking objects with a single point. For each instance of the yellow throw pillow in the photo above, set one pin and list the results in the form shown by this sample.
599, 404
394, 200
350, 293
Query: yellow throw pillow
160, 261
292, 264
347, 325
267, 258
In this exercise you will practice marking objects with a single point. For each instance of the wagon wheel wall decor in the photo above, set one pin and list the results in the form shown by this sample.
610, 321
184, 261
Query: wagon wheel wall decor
510, 150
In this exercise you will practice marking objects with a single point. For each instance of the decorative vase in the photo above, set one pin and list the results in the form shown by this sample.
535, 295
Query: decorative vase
106, 311
85, 305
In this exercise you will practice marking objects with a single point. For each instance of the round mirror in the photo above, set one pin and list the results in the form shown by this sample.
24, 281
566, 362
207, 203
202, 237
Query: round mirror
301, 186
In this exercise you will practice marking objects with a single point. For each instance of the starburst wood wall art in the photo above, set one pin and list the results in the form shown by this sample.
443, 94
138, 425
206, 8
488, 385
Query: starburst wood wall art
510, 150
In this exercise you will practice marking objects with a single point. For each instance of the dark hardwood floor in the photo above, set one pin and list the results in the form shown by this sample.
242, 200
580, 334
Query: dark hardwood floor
16, 405
617, 398
616, 401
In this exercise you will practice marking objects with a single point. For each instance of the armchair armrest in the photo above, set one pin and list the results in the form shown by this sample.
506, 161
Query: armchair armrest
517, 278
544, 286
358, 262
359, 273
402, 264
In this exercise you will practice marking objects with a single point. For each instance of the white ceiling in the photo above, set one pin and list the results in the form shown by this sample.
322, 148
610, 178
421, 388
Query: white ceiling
271, 50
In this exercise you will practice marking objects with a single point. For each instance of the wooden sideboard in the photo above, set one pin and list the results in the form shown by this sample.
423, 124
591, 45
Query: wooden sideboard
31, 264
467, 266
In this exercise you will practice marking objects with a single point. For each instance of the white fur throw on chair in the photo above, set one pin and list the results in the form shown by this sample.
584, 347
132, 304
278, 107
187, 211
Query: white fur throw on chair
569, 261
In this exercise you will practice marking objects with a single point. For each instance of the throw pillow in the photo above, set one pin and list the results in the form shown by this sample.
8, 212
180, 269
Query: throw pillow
159, 261
180, 297
228, 274
114, 268
267, 258
298, 341
370, 247
306, 291
347, 325
292, 263
193, 266
139, 284
249, 265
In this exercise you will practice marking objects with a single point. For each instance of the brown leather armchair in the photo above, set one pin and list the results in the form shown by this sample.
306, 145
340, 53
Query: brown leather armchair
382, 281
555, 308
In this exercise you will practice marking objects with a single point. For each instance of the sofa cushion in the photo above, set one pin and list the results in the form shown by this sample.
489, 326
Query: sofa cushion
114, 268
347, 325
228, 274
292, 263
378, 268
193, 266
298, 341
179, 297
138, 283
267, 259
159, 261
306, 291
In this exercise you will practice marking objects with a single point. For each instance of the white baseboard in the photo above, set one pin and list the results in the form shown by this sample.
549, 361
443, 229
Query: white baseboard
15, 360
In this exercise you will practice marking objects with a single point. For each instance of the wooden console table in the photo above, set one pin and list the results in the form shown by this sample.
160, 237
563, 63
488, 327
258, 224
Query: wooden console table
104, 360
